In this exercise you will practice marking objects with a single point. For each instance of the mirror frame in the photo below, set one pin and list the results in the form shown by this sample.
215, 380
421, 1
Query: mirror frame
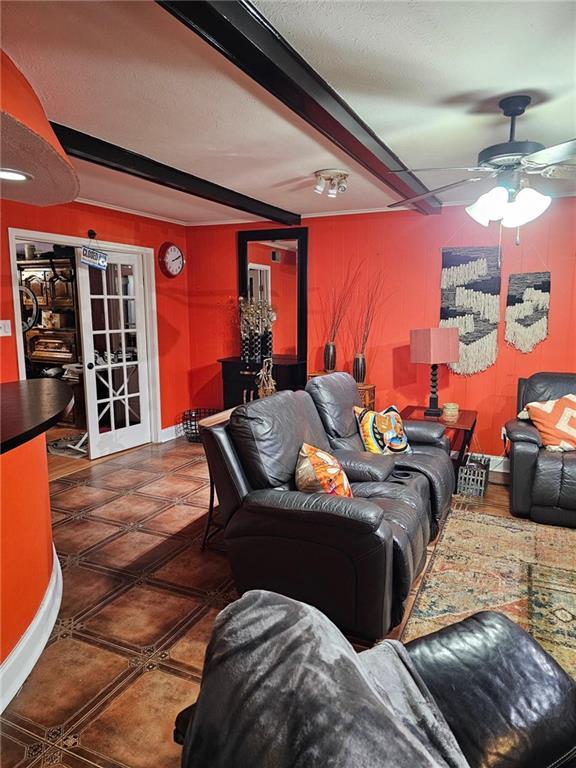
301, 235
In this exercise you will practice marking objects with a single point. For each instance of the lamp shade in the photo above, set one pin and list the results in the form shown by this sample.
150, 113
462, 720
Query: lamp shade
29, 149
434, 345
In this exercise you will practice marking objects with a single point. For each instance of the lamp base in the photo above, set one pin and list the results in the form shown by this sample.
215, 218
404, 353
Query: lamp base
433, 412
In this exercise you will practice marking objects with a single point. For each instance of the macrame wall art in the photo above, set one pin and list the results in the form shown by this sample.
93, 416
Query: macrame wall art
470, 302
527, 310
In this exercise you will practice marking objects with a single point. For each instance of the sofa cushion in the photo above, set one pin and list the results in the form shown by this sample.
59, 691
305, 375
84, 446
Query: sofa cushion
545, 386
335, 396
555, 420
318, 471
269, 433
382, 431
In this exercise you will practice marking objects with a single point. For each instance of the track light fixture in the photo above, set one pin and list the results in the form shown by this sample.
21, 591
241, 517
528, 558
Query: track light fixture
333, 178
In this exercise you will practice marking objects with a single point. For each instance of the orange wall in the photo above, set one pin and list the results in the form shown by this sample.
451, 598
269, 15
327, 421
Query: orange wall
75, 219
26, 539
407, 247
284, 282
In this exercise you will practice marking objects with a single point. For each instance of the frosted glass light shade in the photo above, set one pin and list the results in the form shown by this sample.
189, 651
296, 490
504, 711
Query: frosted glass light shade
489, 206
529, 204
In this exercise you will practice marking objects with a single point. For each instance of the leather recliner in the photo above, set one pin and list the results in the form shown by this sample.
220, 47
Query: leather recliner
504, 698
543, 483
355, 559
335, 396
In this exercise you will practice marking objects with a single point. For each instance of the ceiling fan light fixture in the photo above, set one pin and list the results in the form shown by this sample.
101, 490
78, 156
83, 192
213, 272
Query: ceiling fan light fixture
528, 205
333, 188
489, 207
320, 184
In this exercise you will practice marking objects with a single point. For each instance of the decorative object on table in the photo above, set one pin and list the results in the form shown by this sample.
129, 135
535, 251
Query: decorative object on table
367, 394
473, 475
450, 411
434, 346
527, 306
256, 318
370, 303
191, 420
334, 309
317, 471
470, 301
266, 316
382, 431
266, 384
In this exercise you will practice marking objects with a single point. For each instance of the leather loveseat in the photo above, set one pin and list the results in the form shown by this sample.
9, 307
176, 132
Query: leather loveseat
543, 483
335, 396
282, 688
354, 558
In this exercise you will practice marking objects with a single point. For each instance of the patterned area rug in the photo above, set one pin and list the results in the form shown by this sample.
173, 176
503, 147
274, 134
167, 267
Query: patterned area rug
487, 562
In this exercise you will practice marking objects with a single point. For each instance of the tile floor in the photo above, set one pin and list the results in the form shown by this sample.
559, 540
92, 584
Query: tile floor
138, 606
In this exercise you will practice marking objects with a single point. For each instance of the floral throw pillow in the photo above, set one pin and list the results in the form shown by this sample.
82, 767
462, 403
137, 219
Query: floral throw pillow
319, 472
382, 431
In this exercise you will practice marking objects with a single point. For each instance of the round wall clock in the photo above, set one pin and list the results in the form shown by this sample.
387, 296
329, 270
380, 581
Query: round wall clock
171, 260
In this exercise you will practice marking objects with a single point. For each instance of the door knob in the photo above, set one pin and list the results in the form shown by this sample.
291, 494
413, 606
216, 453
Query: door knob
90, 366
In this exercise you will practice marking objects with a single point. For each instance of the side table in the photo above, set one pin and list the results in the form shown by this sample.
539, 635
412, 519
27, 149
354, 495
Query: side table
461, 428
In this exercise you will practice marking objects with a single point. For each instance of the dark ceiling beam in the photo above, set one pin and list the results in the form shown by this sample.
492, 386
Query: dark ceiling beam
93, 150
238, 31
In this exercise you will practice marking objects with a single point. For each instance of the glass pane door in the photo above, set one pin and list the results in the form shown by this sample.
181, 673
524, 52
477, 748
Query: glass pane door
114, 352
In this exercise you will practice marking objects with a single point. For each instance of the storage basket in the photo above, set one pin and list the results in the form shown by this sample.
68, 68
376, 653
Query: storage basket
473, 475
191, 420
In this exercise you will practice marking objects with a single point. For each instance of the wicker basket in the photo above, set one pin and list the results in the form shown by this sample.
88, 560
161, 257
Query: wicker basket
473, 475
191, 420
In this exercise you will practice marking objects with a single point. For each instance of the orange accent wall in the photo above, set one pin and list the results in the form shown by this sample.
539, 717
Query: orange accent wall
172, 295
407, 247
26, 539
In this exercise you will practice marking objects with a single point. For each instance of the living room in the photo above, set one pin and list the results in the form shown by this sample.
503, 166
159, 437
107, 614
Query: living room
288, 295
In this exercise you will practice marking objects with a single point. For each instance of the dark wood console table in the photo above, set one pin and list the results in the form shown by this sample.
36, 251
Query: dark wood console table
239, 378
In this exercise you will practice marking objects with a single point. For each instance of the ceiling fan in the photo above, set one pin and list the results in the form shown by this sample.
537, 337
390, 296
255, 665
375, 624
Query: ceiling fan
512, 201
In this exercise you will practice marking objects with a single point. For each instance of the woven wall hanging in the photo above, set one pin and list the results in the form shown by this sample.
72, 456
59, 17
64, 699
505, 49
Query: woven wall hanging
527, 310
471, 302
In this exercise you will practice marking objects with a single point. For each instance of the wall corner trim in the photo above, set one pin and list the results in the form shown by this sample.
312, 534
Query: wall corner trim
23, 657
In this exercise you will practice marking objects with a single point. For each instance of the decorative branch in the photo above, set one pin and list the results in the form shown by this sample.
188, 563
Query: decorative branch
338, 302
371, 303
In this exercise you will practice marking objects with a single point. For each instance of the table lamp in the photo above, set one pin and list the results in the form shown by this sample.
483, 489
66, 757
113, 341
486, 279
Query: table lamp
434, 346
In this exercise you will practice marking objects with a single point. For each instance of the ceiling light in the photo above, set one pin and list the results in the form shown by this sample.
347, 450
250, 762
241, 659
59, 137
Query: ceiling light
512, 209
335, 179
528, 205
8, 174
320, 184
489, 206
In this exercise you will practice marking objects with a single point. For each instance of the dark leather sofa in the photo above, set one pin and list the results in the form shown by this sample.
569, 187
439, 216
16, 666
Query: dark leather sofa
335, 396
355, 559
505, 700
543, 483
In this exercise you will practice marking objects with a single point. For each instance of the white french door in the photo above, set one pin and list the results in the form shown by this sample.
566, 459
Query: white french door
114, 353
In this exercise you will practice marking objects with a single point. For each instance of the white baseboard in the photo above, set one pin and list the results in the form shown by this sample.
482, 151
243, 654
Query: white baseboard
499, 464
18, 665
168, 433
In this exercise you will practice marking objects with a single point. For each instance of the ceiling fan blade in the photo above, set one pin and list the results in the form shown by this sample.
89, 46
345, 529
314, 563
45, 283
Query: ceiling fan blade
434, 191
447, 168
559, 153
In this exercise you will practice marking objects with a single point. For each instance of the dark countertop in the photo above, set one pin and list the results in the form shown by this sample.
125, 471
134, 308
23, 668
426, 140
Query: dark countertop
29, 408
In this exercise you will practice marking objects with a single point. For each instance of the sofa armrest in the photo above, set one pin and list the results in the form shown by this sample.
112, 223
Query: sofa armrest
365, 467
324, 509
425, 432
505, 699
519, 431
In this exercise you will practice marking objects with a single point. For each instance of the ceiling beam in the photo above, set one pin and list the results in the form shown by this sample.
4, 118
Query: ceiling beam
238, 31
93, 150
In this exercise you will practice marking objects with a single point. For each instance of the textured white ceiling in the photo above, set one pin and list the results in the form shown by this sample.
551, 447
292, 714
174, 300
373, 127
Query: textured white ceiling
419, 73
427, 76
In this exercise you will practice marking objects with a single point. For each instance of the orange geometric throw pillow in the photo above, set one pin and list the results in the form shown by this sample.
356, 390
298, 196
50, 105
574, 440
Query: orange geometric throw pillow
555, 420
319, 472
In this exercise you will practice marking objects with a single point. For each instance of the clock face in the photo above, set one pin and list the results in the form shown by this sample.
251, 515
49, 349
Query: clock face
171, 259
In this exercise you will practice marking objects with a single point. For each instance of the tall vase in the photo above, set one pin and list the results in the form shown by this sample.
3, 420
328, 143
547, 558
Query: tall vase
329, 357
359, 368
